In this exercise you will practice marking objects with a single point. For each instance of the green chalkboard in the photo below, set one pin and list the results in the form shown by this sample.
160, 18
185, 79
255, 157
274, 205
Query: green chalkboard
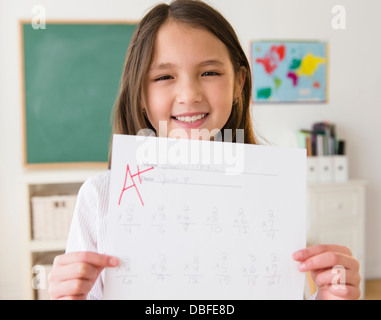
71, 79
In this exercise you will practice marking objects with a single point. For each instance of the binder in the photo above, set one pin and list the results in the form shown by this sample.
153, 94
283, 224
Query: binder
325, 168
313, 169
340, 164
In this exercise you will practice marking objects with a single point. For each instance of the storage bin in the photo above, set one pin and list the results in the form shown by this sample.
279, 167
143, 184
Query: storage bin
51, 217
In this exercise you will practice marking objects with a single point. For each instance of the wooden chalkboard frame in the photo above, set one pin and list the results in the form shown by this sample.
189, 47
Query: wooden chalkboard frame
57, 164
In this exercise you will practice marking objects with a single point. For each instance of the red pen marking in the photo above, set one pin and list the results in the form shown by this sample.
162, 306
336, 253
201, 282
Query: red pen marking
133, 185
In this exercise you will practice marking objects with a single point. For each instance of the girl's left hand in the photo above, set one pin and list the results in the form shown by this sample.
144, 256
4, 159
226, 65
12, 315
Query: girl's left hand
334, 270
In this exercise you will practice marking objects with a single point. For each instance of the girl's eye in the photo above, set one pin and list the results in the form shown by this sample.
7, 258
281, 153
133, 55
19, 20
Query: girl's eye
210, 73
164, 78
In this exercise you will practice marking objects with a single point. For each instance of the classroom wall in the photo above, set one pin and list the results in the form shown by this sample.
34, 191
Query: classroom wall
354, 98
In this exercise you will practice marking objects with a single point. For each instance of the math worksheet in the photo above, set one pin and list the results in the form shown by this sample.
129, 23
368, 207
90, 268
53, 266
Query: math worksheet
204, 220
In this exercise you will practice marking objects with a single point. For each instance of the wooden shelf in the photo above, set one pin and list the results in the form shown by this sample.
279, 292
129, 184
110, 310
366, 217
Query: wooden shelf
47, 245
58, 176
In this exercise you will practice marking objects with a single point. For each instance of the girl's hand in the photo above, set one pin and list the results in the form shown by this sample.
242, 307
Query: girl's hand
334, 270
74, 274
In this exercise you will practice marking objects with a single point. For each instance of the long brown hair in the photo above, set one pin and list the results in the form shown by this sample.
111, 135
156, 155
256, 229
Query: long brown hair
128, 114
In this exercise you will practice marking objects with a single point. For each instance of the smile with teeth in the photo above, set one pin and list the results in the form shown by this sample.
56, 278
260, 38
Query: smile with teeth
189, 119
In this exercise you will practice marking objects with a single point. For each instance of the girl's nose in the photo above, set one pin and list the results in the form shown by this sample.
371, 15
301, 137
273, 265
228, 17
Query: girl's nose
188, 92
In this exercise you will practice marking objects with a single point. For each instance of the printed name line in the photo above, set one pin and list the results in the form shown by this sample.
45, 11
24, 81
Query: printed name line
213, 170
198, 184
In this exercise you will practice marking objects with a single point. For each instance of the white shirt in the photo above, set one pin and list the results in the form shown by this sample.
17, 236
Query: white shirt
88, 228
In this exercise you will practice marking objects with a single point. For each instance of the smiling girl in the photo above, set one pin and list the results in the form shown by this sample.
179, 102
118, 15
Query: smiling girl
186, 68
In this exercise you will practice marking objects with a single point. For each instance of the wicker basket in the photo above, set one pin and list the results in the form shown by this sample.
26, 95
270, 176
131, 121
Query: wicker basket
51, 217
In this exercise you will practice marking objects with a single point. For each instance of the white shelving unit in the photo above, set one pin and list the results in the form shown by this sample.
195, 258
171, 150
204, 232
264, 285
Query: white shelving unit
44, 183
336, 215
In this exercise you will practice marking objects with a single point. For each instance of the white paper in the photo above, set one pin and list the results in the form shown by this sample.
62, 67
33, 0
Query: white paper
204, 220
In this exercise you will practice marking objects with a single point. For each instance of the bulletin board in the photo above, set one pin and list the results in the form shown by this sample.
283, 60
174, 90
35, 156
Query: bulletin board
71, 74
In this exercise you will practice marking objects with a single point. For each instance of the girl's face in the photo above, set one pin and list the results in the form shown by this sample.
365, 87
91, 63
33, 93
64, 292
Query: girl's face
190, 84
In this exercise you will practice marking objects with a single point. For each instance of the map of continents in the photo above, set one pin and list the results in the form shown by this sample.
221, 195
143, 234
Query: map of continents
289, 71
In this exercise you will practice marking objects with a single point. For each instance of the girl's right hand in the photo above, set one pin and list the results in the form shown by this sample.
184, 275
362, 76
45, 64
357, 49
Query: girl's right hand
74, 274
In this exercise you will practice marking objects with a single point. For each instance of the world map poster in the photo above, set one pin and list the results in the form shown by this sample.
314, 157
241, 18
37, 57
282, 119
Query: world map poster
289, 71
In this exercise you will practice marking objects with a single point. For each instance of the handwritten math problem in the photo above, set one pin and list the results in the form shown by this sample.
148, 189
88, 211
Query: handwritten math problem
185, 233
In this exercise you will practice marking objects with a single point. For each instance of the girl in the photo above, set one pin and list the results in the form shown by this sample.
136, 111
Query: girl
184, 66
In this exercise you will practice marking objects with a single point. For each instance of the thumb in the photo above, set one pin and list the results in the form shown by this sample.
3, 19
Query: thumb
112, 261
107, 262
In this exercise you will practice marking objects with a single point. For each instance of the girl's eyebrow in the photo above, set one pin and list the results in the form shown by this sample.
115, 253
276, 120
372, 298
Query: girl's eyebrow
164, 66
211, 62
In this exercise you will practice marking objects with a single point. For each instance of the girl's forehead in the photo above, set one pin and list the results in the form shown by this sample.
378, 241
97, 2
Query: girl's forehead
176, 27
180, 40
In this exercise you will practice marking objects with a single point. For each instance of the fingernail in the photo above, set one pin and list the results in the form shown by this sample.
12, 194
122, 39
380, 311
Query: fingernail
302, 267
113, 262
297, 255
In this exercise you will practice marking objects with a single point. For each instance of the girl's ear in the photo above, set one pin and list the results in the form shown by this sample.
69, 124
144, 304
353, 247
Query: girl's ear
143, 105
240, 81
